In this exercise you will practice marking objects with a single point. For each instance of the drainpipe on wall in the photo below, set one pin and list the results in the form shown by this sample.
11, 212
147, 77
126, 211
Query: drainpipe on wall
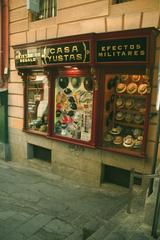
157, 140
4, 47
0, 42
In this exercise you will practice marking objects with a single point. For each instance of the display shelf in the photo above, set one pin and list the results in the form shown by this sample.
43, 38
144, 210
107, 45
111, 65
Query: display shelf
129, 125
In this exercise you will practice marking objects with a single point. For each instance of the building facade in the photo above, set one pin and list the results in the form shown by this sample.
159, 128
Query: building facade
85, 165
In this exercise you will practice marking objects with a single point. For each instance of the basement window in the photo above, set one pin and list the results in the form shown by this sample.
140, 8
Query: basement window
118, 176
47, 9
39, 153
120, 1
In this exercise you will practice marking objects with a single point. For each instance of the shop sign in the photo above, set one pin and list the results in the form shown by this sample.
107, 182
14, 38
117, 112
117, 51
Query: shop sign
78, 52
29, 56
121, 50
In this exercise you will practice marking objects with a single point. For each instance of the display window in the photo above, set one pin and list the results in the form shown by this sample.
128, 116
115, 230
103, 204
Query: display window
99, 92
37, 102
125, 114
73, 105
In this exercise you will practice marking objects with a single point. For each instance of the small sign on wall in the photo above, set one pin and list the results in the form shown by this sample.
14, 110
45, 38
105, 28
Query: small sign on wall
33, 5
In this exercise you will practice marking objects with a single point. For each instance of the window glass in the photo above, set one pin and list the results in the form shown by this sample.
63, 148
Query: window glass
124, 118
48, 9
73, 107
37, 102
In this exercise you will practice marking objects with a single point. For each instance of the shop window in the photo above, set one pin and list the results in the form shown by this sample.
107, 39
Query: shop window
120, 1
73, 105
47, 9
37, 102
126, 110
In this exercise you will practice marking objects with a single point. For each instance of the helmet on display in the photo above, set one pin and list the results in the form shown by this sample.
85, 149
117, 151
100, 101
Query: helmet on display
63, 82
88, 84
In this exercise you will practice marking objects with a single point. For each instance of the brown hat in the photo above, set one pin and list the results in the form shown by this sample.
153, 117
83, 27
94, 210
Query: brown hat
132, 88
121, 87
124, 77
115, 130
142, 89
136, 78
117, 140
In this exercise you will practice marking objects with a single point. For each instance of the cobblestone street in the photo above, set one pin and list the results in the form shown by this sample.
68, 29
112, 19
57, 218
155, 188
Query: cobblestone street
39, 206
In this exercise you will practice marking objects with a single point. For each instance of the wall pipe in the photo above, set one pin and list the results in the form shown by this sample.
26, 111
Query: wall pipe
0, 42
5, 38
157, 139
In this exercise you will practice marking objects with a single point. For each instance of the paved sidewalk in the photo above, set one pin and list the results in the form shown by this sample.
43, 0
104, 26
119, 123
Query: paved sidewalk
38, 205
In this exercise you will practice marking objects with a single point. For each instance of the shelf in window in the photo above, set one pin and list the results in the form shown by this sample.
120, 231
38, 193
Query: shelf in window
130, 124
130, 111
31, 89
131, 95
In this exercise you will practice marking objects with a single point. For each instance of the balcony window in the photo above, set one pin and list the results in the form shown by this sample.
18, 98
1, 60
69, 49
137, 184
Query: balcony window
48, 8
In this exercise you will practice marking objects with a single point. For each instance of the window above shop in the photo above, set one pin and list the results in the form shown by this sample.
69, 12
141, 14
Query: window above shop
42, 9
120, 1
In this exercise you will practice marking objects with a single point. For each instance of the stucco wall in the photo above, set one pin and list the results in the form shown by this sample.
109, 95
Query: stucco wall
77, 17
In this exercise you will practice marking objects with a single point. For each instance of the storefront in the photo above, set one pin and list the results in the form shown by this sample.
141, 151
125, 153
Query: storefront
91, 90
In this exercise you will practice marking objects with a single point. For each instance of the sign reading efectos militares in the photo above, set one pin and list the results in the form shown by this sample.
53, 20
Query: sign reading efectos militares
121, 50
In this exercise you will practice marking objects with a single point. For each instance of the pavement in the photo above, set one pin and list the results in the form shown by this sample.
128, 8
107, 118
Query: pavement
37, 205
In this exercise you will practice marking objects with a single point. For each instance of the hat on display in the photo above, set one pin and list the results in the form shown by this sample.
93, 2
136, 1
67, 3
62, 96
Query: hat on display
73, 106
119, 116
138, 118
137, 132
136, 78
108, 138
132, 88
88, 84
118, 140
145, 78
115, 130
128, 117
129, 103
67, 91
63, 82
120, 102
124, 77
58, 113
128, 141
70, 113
121, 87
76, 82
142, 89
138, 142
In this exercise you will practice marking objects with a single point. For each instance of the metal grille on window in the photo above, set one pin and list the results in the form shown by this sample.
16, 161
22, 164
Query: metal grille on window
47, 10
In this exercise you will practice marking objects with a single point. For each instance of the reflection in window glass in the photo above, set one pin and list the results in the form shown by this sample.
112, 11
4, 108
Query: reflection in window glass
73, 107
37, 101
48, 8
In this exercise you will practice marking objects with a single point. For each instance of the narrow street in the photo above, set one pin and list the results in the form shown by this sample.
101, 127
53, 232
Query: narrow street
38, 205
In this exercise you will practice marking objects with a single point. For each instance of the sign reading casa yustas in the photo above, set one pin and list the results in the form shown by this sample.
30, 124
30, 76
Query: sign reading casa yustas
78, 52
121, 50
